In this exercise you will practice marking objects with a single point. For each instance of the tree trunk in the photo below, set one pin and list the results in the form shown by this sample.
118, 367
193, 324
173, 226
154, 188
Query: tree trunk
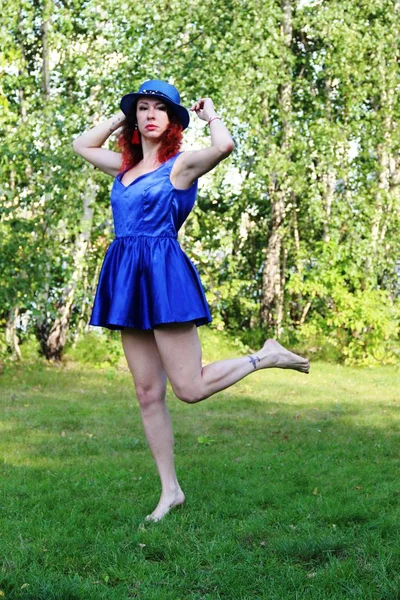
385, 161
296, 234
45, 52
393, 193
52, 335
329, 178
281, 295
53, 346
13, 315
11, 334
42, 324
383, 188
273, 278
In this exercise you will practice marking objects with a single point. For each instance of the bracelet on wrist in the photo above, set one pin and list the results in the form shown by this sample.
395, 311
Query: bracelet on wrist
213, 119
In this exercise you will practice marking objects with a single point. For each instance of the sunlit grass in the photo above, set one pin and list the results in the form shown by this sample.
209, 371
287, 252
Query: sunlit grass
291, 482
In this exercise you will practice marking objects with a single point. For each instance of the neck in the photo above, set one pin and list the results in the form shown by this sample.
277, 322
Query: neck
150, 150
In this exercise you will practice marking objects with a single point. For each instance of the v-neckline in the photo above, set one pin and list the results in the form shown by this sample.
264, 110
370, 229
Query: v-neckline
120, 175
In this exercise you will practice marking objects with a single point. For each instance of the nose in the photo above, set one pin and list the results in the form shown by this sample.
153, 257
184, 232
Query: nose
151, 112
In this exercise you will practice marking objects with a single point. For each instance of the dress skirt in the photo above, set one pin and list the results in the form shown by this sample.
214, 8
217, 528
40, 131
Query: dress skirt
147, 281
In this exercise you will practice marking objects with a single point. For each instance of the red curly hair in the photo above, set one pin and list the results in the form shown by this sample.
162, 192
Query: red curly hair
132, 154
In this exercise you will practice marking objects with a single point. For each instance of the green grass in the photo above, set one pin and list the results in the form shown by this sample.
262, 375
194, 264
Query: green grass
293, 491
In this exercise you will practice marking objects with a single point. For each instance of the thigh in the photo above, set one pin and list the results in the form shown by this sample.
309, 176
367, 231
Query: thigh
143, 358
180, 351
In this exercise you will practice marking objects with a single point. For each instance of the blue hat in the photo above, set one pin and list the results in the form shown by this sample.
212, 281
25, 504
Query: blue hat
158, 89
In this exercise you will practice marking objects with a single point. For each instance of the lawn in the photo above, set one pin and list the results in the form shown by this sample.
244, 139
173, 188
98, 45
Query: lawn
292, 486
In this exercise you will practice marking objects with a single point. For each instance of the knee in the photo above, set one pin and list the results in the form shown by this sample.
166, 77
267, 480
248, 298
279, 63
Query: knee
149, 395
189, 393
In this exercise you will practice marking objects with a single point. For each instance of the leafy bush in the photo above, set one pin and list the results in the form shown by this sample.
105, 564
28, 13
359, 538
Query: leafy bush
100, 349
361, 321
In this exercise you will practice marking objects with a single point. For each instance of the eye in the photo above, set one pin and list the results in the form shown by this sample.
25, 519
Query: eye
162, 107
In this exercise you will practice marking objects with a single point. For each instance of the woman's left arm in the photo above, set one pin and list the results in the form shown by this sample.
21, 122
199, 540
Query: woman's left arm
193, 164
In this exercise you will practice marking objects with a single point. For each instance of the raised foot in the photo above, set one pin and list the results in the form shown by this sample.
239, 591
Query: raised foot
277, 356
166, 503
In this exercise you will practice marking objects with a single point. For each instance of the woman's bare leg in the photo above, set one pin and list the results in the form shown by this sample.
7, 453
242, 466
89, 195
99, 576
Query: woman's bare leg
180, 351
150, 382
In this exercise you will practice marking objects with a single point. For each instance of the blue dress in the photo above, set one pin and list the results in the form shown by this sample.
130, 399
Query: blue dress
146, 279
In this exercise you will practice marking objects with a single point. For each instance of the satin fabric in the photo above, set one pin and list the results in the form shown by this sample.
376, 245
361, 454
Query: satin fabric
146, 279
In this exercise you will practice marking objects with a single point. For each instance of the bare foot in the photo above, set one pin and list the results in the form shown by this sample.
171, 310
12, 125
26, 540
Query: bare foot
167, 501
275, 355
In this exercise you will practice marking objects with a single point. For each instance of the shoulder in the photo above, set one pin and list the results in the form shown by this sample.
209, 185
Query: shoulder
173, 160
180, 159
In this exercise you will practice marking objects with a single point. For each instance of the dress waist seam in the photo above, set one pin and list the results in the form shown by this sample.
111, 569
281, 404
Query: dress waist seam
144, 235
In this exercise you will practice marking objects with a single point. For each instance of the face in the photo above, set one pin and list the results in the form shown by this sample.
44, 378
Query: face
152, 117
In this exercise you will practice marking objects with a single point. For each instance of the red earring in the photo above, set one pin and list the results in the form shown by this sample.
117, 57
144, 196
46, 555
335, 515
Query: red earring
135, 136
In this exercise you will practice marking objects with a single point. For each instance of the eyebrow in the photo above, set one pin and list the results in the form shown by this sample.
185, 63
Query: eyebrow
146, 102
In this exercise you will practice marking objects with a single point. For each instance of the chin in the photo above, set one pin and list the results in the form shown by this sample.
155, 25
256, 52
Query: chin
153, 135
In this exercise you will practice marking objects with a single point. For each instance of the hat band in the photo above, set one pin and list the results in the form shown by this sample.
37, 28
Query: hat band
156, 92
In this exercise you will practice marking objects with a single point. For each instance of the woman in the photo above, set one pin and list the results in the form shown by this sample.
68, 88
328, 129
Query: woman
148, 288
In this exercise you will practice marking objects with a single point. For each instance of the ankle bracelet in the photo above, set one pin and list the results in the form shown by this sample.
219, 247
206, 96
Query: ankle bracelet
254, 361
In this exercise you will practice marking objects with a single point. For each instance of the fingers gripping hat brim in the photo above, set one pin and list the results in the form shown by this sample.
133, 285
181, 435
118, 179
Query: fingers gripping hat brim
157, 89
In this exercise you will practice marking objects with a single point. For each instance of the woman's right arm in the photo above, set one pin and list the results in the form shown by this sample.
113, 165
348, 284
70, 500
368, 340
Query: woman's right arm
89, 145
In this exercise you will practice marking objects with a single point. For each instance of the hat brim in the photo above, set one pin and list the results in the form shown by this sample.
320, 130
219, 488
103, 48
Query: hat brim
181, 112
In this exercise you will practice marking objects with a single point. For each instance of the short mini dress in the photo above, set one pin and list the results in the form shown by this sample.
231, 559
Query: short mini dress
146, 279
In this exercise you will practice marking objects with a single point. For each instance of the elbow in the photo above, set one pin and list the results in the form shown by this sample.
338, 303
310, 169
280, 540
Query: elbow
75, 145
230, 147
78, 146
227, 148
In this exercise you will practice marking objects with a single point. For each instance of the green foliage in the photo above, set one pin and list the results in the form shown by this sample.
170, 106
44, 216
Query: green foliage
97, 349
370, 321
205, 440
216, 344
361, 322
339, 174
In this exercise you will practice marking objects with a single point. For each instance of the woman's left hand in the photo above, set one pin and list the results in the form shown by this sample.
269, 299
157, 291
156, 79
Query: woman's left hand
204, 109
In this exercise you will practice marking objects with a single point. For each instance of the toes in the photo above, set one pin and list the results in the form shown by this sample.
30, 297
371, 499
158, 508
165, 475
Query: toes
152, 519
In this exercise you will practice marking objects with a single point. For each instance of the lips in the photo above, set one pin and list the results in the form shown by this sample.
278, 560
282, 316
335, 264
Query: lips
151, 127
